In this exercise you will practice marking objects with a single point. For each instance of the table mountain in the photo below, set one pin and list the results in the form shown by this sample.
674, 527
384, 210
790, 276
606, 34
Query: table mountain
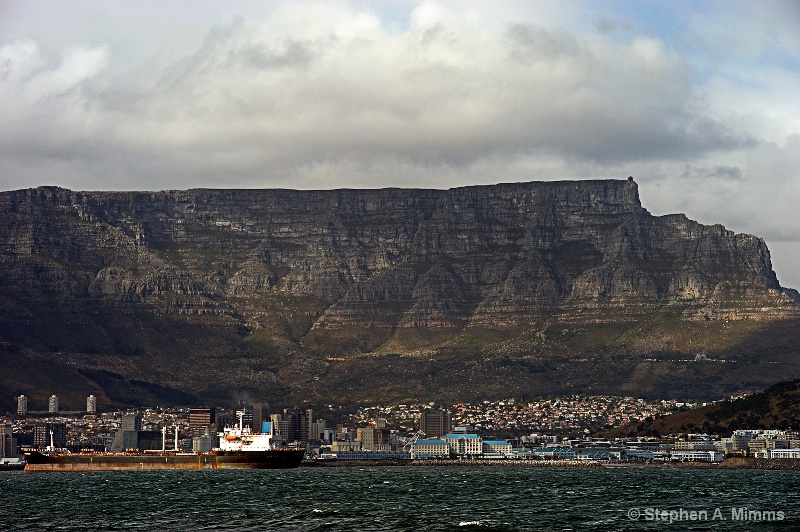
351, 295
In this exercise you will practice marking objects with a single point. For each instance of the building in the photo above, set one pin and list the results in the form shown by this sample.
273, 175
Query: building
695, 456
128, 435
339, 446
554, 453
202, 420
131, 422
42, 435
422, 449
464, 444
318, 429
52, 404
435, 423
497, 448
137, 439
91, 404
694, 446
22, 405
373, 438
298, 425
259, 415
779, 453
224, 419
204, 442
8, 443
247, 418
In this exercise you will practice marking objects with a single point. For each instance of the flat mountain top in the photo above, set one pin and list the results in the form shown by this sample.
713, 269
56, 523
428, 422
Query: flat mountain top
393, 294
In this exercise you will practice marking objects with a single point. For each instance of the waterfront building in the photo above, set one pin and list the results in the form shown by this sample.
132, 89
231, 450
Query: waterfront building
430, 449
22, 405
555, 453
638, 455
435, 423
695, 456
373, 455
52, 404
497, 448
464, 444
588, 454
91, 404
339, 446
778, 453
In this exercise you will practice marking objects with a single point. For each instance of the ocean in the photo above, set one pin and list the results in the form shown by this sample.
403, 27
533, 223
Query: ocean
404, 498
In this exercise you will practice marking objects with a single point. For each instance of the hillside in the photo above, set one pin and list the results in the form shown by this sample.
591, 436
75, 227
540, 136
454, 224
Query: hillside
399, 294
778, 407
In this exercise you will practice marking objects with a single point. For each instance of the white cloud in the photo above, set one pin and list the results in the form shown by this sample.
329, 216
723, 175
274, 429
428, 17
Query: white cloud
330, 94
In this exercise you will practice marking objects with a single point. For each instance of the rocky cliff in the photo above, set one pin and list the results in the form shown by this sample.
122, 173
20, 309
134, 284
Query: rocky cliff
284, 293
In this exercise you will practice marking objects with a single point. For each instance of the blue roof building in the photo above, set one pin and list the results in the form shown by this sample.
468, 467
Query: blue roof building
464, 444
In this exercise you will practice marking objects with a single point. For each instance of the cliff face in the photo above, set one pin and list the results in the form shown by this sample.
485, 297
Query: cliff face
314, 274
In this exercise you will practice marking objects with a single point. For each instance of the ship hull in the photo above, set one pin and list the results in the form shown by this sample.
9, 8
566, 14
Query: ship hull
36, 462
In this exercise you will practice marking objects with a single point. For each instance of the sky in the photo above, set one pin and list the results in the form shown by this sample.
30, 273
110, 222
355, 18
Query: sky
697, 100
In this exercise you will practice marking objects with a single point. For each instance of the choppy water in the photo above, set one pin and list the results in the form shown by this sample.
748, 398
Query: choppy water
400, 498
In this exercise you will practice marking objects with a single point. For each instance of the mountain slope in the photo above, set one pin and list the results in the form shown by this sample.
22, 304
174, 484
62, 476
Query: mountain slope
287, 295
777, 407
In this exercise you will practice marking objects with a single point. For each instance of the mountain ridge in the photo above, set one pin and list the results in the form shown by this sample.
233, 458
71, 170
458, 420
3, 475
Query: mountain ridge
266, 288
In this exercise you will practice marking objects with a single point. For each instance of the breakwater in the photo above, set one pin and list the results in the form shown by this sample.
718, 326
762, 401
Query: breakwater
453, 463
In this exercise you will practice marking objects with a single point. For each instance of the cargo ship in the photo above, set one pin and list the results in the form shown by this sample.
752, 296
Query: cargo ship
239, 448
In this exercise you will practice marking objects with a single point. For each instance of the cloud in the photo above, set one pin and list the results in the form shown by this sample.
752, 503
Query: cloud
698, 104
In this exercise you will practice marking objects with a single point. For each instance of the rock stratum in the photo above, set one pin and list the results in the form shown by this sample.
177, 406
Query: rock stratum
509, 290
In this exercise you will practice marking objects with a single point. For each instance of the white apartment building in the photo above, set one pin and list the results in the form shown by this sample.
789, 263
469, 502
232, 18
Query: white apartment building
498, 448
52, 404
22, 405
429, 449
91, 404
695, 456
778, 453
464, 444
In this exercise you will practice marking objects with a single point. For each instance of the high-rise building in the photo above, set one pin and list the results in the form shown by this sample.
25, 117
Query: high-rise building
435, 423
224, 419
258, 416
317, 431
247, 418
41, 434
22, 405
91, 404
8, 443
201, 419
52, 404
298, 425
131, 422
